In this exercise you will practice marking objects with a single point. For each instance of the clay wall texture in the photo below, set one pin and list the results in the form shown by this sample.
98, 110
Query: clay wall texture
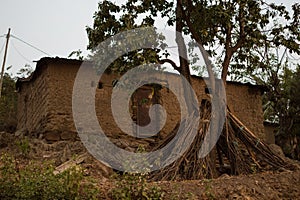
244, 100
33, 103
45, 101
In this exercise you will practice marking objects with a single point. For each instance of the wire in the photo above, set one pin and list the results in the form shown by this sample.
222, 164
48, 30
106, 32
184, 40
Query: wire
30, 45
20, 53
2, 35
172, 47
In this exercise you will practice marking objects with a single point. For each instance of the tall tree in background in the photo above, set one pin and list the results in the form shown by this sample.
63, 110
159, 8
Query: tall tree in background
230, 31
286, 109
9, 98
8, 105
281, 102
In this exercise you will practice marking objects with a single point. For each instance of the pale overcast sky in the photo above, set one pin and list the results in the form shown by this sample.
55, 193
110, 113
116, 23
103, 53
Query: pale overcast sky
56, 27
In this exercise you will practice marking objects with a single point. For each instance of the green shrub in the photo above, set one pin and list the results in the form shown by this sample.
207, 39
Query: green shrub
34, 181
23, 146
134, 186
8, 105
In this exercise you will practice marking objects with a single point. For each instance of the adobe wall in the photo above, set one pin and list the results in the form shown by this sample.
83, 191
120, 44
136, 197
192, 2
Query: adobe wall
33, 103
62, 77
244, 101
48, 109
60, 120
270, 132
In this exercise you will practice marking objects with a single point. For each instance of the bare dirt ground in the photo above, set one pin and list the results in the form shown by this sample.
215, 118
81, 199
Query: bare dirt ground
281, 184
268, 185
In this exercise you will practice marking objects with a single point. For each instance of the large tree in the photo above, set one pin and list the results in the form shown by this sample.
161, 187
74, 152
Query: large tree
281, 101
229, 31
8, 105
236, 28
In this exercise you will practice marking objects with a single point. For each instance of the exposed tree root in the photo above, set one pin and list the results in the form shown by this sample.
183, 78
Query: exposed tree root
238, 151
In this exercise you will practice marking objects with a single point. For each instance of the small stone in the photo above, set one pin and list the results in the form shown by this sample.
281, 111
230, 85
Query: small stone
52, 136
67, 135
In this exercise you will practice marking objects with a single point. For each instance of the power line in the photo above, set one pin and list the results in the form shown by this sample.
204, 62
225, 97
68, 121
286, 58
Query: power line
20, 53
30, 45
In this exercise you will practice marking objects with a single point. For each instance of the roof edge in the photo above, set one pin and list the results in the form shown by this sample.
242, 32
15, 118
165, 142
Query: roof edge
50, 60
40, 64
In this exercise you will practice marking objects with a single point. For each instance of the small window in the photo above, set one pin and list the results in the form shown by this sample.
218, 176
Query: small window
207, 90
100, 85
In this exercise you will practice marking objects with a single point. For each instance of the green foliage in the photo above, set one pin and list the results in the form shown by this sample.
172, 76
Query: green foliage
25, 71
189, 196
281, 101
134, 186
23, 146
208, 189
34, 181
77, 54
237, 34
108, 21
8, 105
9, 99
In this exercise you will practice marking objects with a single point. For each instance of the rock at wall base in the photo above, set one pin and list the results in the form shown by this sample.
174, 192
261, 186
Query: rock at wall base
52, 136
68, 135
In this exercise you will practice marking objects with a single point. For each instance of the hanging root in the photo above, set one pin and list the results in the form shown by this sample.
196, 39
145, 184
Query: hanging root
238, 151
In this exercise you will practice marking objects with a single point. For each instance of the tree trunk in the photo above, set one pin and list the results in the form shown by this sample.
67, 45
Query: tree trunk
183, 58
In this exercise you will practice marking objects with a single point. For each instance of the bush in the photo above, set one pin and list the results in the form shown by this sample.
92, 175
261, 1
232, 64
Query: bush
134, 186
34, 181
8, 105
23, 146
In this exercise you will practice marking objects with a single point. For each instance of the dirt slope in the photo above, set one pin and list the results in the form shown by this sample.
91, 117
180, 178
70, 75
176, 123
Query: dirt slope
267, 185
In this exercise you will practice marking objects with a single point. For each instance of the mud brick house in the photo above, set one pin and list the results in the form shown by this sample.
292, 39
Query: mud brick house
45, 101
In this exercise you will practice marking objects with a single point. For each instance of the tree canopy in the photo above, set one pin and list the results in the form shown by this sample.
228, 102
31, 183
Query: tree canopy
238, 35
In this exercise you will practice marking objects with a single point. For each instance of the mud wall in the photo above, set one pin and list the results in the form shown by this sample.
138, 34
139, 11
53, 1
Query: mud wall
245, 101
33, 103
45, 103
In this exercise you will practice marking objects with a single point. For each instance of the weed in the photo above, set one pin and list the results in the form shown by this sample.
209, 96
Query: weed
23, 146
134, 185
189, 196
208, 189
35, 181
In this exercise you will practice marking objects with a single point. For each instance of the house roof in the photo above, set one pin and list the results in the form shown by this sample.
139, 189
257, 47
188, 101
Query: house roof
43, 62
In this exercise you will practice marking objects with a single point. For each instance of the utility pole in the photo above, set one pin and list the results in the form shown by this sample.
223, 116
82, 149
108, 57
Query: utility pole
4, 59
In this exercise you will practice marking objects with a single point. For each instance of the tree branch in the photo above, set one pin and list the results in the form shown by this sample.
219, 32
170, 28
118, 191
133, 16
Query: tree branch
242, 29
183, 56
163, 61
231, 50
199, 42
